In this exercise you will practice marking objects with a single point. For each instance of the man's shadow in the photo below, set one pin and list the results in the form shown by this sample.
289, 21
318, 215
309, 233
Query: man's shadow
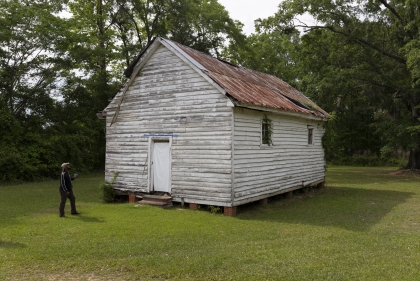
87, 218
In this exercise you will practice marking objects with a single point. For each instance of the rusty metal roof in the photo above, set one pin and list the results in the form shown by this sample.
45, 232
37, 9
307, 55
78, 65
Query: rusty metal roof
252, 87
249, 87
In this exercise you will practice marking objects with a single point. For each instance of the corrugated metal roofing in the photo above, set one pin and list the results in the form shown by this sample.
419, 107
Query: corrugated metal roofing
249, 87
252, 87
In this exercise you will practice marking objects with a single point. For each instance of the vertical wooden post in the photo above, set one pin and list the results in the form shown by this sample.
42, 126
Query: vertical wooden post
229, 211
263, 201
288, 195
321, 185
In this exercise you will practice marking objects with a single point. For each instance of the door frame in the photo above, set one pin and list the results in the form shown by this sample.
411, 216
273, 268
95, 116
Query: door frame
152, 141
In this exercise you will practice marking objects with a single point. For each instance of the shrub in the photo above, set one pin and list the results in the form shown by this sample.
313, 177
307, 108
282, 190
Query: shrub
108, 189
214, 209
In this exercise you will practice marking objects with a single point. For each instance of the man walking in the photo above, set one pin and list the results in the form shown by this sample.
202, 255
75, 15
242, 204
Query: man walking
66, 190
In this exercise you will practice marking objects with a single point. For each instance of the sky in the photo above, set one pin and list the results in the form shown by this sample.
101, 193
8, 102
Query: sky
246, 11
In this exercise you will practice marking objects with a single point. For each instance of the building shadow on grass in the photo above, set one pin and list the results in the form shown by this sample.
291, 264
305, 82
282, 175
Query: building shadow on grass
11, 245
344, 207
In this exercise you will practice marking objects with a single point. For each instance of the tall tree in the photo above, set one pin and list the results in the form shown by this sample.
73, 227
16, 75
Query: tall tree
382, 39
30, 63
204, 25
93, 46
200, 24
268, 51
56, 73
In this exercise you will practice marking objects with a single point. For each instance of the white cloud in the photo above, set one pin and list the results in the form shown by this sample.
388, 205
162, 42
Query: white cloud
246, 11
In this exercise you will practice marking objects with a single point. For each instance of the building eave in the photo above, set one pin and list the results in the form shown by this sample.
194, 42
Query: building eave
280, 112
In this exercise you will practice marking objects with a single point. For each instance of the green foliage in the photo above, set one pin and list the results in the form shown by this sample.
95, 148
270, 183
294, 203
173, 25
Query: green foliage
350, 132
356, 60
214, 209
47, 116
203, 25
360, 62
108, 192
200, 24
268, 51
57, 73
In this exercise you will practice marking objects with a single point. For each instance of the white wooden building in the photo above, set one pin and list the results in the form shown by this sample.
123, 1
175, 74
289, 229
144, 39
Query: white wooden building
198, 128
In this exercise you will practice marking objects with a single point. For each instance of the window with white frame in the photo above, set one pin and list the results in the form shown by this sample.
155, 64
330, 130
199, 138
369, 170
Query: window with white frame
266, 131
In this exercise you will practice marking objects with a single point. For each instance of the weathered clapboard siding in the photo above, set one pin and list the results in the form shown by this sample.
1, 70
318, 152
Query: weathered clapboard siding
263, 170
217, 157
166, 89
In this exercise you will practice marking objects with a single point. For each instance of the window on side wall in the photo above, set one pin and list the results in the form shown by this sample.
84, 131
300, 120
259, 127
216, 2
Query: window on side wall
310, 135
266, 131
265, 137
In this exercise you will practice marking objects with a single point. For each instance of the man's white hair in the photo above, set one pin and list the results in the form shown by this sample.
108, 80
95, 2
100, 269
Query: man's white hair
64, 165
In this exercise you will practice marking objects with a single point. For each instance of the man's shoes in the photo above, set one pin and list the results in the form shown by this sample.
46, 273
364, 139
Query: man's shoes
62, 216
76, 213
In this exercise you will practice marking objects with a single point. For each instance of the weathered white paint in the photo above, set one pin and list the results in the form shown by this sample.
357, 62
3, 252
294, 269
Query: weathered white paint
169, 96
289, 163
217, 157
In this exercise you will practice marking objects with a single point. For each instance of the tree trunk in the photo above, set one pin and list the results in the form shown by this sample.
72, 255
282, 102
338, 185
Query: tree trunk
101, 35
414, 160
102, 86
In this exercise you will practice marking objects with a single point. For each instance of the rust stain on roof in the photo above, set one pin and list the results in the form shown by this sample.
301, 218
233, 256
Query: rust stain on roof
252, 87
245, 86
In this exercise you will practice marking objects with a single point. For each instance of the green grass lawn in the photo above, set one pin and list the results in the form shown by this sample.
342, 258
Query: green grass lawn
364, 226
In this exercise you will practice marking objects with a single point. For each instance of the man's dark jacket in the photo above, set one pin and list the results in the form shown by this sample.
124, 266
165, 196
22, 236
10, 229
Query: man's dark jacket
65, 182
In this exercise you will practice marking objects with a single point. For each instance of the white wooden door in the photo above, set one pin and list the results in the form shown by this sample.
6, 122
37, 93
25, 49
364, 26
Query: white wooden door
161, 166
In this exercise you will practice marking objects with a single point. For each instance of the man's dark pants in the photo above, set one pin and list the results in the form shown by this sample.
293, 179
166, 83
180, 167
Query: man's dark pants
64, 197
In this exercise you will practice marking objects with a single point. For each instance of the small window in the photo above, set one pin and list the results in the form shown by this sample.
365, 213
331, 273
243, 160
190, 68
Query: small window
310, 136
266, 130
265, 137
